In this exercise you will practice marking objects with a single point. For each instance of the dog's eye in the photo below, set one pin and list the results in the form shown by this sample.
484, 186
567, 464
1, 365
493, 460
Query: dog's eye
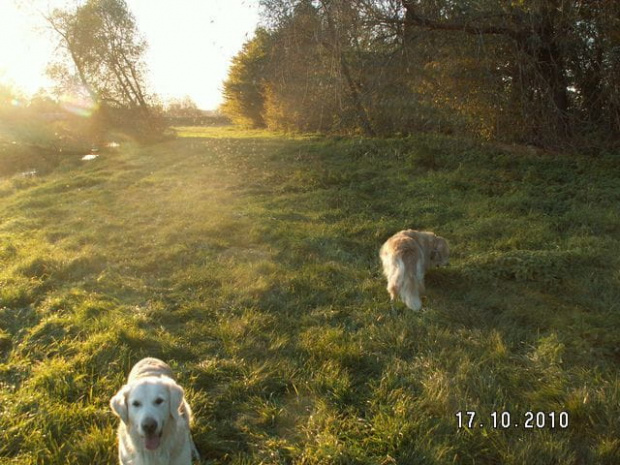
136, 403
159, 401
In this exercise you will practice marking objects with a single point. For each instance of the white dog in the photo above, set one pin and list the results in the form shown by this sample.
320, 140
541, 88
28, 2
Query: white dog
406, 256
155, 417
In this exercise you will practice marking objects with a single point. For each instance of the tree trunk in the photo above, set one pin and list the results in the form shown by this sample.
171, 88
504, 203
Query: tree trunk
551, 65
355, 97
336, 47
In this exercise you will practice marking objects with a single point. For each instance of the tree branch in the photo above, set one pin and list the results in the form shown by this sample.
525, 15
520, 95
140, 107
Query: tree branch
413, 18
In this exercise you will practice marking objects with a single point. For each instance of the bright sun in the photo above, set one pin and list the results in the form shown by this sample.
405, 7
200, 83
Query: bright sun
23, 51
190, 44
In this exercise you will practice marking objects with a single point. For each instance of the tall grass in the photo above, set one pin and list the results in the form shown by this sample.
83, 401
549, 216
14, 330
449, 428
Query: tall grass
248, 261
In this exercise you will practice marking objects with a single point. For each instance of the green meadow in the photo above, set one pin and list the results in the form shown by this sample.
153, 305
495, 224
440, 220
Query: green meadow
249, 262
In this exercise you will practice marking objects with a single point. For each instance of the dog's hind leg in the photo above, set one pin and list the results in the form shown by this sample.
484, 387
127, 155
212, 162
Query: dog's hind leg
392, 307
392, 289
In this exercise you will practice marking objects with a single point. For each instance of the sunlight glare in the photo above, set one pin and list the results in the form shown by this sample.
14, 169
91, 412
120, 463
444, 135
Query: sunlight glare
190, 45
23, 55
77, 105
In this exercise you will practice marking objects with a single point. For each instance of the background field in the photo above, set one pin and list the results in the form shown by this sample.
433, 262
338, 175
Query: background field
248, 262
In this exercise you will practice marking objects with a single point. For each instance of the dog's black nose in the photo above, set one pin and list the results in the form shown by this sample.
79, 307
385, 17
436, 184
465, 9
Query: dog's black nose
149, 426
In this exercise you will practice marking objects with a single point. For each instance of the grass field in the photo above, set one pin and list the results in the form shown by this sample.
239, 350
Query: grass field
249, 262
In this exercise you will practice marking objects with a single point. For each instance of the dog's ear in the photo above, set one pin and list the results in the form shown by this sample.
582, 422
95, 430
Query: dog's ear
176, 399
118, 403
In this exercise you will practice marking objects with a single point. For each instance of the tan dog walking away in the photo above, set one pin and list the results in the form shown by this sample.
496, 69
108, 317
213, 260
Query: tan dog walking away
406, 256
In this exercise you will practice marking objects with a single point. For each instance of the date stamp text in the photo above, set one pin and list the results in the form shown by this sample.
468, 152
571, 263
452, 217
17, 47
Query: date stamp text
507, 420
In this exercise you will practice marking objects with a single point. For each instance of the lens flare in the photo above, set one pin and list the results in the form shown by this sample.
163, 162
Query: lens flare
78, 105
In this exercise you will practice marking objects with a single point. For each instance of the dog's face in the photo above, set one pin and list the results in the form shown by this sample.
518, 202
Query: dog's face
146, 405
440, 255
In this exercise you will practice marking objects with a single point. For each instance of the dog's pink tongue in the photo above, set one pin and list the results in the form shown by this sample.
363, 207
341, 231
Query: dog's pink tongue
152, 442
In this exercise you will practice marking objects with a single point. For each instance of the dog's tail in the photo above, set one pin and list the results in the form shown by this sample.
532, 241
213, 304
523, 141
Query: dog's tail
401, 281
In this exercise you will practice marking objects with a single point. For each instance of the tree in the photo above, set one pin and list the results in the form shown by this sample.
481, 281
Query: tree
537, 71
553, 62
244, 100
340, 17
184, 108
302, 92
104, 59
103, 43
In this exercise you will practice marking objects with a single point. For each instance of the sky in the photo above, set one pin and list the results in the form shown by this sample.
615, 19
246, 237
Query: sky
191, 43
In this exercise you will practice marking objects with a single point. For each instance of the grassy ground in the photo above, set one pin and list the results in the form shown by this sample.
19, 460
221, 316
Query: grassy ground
249, 262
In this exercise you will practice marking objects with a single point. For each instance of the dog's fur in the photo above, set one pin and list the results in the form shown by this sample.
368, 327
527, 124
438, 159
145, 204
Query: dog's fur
155, 417
406, 256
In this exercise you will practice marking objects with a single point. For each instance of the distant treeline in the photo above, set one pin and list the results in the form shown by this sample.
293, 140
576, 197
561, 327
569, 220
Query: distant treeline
542, 72
185, 112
